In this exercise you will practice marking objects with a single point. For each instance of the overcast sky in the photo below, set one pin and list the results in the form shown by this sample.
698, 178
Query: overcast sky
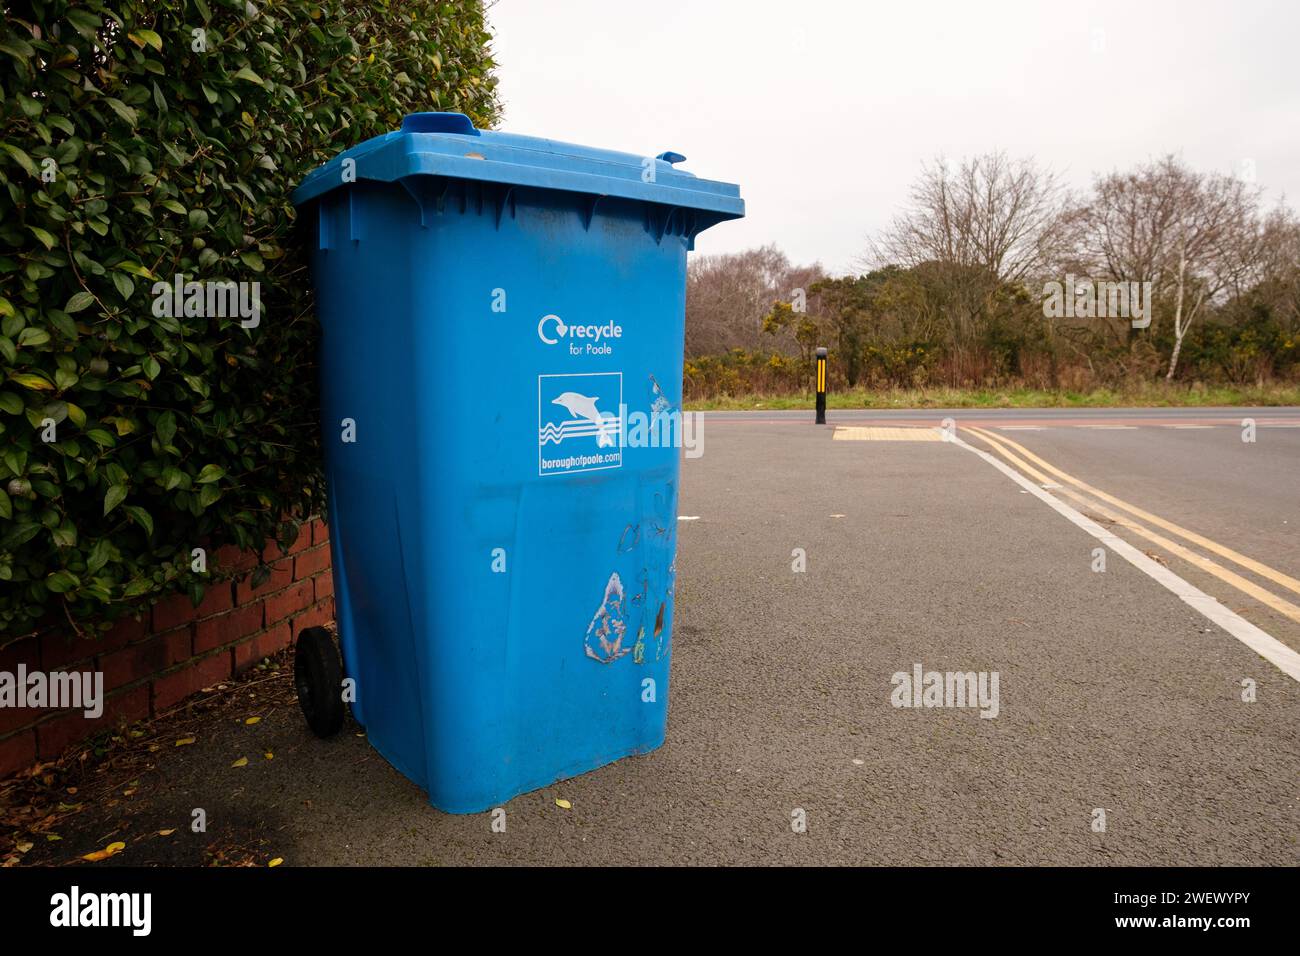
824, 111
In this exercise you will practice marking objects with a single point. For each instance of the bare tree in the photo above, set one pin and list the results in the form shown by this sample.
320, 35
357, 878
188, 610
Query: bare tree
976, 227
1213, 247
1195, 236
1122, 232
727, 297
991, 213
1278, 266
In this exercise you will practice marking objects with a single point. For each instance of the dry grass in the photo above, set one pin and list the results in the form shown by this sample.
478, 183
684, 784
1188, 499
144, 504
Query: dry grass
1146, 395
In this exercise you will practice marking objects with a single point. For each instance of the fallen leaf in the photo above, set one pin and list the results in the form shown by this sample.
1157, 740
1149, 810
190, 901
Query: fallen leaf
241, 762
53, 837
252, 720
72, 790
268, 755
563, 804
23, 847
127, 793
184, 741
276, 862
167, 832
111, 850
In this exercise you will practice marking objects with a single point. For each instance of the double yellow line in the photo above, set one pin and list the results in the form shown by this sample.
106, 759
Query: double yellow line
1021, 457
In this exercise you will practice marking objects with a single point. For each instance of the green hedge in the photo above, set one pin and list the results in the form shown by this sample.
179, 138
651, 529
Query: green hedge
144, 140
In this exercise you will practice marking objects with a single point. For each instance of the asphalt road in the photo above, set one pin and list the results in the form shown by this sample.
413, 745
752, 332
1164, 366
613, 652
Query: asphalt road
1195, 471
1113, 695
1063, 417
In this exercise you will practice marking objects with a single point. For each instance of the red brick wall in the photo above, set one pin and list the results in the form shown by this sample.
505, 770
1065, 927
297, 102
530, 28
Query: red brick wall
175, 649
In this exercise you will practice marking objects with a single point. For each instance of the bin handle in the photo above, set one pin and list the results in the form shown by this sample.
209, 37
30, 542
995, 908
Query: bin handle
438, 123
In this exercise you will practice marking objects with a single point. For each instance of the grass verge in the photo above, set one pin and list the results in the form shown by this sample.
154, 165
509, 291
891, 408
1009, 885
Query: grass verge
1149, 395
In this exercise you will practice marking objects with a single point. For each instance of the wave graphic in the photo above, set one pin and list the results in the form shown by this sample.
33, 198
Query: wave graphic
551, 433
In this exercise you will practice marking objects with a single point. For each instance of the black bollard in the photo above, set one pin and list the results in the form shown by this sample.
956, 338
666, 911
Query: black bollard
821, 386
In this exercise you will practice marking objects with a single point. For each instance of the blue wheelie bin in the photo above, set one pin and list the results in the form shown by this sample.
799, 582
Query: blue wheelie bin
501, 369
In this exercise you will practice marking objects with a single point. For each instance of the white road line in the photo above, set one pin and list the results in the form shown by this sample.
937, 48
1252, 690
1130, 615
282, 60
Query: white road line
1262, 643
1188, 426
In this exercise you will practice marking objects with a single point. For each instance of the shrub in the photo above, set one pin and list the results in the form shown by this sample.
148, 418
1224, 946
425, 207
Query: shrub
146, 140
741, 371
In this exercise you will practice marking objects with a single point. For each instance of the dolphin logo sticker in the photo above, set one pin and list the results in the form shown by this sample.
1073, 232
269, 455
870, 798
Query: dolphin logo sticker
585, 407
579, 424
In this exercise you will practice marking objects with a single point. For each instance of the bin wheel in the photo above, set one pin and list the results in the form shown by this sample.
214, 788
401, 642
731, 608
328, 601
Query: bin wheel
318, 678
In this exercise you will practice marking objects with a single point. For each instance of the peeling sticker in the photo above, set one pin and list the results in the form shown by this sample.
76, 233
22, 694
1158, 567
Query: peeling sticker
605, 633
631, 538
638, 599
634, 609
660, 406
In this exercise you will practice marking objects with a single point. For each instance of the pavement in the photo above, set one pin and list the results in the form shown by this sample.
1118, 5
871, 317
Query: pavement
1121, 735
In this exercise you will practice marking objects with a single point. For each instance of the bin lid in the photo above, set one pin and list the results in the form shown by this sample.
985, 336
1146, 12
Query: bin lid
448, 144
